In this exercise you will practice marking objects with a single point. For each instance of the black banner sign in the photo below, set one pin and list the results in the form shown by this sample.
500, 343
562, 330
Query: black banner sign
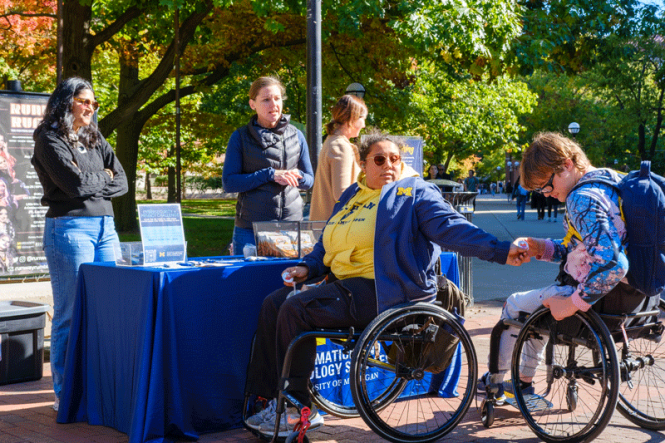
21, 213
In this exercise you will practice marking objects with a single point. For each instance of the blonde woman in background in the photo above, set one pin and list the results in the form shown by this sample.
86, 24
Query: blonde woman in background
338, 166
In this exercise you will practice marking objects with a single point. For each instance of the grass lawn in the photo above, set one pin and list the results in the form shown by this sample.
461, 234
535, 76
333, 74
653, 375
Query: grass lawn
202, 207
205, 236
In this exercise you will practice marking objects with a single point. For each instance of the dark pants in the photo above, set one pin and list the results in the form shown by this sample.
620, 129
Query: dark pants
540, 202
552, 205
340, 304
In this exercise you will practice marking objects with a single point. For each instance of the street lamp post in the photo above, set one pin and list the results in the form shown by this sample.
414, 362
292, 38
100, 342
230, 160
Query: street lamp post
356, 89
574, 128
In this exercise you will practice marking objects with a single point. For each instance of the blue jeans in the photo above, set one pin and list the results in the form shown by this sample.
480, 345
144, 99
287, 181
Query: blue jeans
521, 206
68, 242
241, 237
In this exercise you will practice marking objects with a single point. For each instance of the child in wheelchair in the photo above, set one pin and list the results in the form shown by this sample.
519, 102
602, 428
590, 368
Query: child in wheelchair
592, 255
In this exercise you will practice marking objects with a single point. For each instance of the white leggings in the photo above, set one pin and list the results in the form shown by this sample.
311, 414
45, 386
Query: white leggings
528, 302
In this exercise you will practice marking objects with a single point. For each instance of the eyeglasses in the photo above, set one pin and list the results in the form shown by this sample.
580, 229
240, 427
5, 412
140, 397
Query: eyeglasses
549, 186
379, 160
87, 102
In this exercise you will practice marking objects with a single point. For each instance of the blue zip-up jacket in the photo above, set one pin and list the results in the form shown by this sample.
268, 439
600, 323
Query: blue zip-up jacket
413, 223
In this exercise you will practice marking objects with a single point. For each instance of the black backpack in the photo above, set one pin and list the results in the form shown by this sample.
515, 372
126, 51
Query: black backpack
642, 203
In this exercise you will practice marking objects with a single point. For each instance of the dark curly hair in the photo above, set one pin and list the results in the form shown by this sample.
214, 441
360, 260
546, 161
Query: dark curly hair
373, 137
58, 114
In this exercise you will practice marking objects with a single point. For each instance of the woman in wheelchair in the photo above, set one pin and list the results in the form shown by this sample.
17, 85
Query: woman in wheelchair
378, 250
592, 256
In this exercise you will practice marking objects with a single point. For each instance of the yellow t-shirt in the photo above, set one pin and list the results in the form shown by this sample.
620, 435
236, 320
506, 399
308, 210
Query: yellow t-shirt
351, 253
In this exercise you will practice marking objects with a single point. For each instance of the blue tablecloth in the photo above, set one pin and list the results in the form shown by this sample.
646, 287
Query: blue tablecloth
155, 352
161, 354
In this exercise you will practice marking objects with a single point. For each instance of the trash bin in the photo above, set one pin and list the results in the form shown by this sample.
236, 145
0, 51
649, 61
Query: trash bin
21, 341
463, 203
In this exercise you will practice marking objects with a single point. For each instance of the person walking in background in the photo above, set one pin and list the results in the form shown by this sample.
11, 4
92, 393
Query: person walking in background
471, 185
539, 201
552, 207
267, 164
338, 160
521, 196
80, 175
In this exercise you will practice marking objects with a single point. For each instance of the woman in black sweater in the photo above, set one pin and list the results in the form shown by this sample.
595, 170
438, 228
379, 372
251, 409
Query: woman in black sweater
80, 174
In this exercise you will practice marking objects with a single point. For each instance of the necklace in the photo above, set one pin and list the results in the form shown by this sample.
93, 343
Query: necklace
74, 140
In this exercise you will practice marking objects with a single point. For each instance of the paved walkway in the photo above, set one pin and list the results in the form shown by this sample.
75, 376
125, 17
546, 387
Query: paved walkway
26, 414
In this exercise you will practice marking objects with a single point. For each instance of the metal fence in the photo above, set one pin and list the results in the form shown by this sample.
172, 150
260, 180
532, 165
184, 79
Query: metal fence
463, 203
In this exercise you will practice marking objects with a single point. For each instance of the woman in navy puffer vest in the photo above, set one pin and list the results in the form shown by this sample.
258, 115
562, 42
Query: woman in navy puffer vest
267, 163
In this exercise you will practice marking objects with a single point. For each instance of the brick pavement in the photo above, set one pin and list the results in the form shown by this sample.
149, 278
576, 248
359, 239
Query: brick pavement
26, 414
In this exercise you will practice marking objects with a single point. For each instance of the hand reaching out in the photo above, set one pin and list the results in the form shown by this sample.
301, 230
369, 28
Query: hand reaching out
518, 254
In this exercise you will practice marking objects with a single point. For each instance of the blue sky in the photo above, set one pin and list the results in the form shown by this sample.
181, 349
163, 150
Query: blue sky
661, 3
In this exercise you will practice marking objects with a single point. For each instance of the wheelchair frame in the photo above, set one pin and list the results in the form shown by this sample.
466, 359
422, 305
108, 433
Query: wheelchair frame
606, 365
386, 328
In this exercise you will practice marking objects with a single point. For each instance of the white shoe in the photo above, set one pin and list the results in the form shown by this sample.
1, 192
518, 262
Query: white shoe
269, 411
56, 404
288, 422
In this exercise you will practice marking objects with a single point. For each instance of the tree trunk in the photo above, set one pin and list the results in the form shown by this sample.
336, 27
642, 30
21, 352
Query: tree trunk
127, 148
641, 142
148, 188
127, 152
77, 58
171, 193
659, 121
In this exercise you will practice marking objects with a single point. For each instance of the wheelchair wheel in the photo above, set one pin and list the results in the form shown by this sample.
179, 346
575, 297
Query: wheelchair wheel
345, 408
643, 403
487, 413
426, 410
575, 385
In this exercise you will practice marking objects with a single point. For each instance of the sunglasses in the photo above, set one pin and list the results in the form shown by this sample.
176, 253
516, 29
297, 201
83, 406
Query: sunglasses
549, 186
87, 102
379, 160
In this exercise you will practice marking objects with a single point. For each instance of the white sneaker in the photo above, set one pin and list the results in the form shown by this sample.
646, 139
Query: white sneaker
269, 411
288, 422
56, 404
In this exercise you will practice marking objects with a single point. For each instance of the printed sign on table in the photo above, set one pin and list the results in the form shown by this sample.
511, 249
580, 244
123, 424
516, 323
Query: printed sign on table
162, 234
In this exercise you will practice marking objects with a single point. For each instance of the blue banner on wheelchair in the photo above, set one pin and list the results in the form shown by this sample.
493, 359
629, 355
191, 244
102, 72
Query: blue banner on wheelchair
333, 367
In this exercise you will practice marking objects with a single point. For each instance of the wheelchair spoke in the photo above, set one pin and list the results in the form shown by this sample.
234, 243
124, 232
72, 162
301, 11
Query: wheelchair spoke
644, 403
574, 378
429, 405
